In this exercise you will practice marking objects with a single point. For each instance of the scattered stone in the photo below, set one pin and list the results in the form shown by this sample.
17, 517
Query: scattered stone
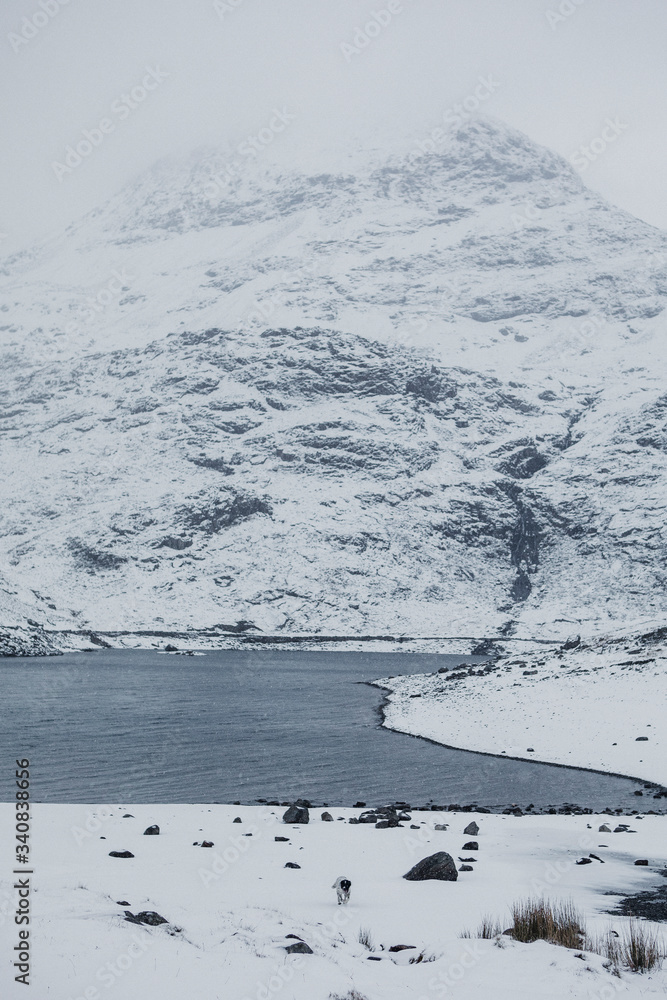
152, 831
121, 854
298, 948
297, 813
207, 843
237, 820
471, 830
373, 958
642, 861
283, 840
128, 816
402, 947
370, 816
413, 826
291, 864
596, 858
149, 917
584, 861
466, 868
605, 828
469, 861
122, 902
359, 805
471, 845
385, 824
437, 866
326, 817
170, 649
642, 739
441, 826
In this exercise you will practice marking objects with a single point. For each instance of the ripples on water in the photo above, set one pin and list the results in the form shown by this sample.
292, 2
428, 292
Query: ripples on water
140, 726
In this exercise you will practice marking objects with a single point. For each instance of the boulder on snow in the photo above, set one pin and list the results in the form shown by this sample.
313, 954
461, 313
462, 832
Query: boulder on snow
326, 817
604, 828
472, 829
471, 845
439, 866
237, 819
466, 868
152, 831
291, 864
642, 861
149, 917
121, 854
296, 813
299, 948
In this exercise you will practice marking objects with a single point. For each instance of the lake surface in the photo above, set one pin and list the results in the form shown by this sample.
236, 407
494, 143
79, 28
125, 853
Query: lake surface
140, 726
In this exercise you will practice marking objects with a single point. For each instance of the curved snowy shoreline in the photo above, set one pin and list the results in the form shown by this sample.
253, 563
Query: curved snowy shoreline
598, 706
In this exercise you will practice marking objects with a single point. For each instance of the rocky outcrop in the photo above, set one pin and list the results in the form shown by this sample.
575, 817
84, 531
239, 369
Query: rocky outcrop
27, 642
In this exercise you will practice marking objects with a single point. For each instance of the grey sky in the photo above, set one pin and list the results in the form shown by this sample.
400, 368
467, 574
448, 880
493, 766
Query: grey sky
558, 77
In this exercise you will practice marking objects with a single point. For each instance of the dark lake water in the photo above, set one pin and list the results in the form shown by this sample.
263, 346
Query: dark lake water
139, 726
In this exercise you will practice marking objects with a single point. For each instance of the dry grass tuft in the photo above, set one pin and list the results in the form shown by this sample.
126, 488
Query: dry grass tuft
365, 938
541, 920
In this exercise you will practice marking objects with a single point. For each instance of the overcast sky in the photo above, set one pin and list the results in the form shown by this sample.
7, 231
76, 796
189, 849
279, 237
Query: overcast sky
560, 70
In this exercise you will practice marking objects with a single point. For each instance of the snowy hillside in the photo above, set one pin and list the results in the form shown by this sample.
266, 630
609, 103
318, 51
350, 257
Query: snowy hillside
424, 394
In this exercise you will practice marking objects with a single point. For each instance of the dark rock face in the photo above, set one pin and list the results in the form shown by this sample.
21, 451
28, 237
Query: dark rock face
149, 917
471, 845
299, 948
296, 813
472, 829
326, 817
152, 831
121, 854
439, 866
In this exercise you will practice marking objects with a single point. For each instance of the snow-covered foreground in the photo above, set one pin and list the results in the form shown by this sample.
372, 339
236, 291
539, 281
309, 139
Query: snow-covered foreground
231, 908
599, 705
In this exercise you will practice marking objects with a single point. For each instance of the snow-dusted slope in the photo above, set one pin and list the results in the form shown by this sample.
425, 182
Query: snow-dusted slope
421, 394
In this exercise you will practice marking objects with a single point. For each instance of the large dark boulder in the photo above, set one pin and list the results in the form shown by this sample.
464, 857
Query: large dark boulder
472, 829
296, 813
327, 817
152, 831
437, 866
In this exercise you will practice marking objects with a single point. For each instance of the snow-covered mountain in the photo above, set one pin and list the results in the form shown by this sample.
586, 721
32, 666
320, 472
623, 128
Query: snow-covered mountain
419, 393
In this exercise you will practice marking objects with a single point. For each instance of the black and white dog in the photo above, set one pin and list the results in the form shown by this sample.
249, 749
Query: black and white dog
342, 887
